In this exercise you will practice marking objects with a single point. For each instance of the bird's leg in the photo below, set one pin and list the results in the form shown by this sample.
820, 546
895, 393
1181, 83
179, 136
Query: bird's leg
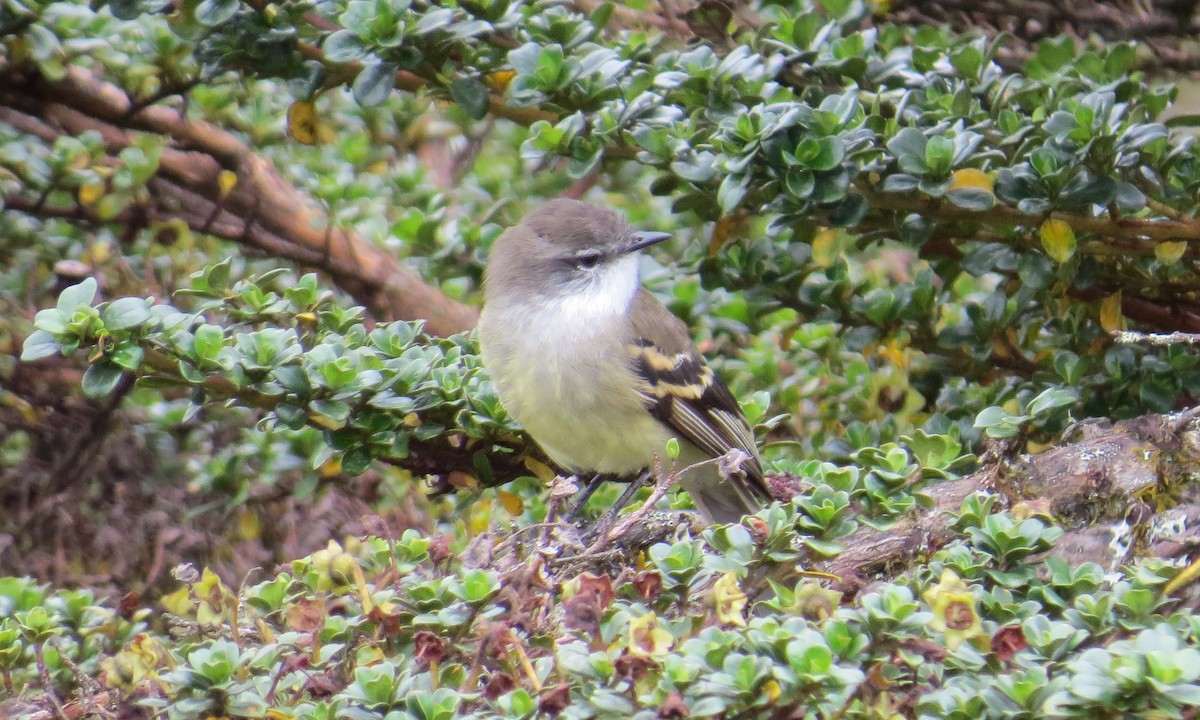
606, 521
584, 495
636, 484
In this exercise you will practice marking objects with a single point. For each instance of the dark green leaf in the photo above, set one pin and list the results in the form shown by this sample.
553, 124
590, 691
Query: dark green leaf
356, 461
212, 13
344, 46
101, 379
972, 198
374, 84
472, 96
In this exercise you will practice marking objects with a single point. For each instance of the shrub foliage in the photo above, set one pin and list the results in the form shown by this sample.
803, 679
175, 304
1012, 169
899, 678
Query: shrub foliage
898, 250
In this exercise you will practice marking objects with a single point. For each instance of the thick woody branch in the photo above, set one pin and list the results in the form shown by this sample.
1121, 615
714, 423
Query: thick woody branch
263, 210
1101, 485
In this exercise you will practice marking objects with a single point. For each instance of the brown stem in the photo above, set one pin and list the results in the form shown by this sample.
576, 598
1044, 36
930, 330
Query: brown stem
262, 210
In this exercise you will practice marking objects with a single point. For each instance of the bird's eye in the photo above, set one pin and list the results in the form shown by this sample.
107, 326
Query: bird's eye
588, 261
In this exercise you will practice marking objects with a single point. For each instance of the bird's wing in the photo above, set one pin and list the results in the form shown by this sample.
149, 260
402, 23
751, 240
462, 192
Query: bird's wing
682, 391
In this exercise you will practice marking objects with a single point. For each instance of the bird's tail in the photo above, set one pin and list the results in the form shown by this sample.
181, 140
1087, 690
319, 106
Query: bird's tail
720, 500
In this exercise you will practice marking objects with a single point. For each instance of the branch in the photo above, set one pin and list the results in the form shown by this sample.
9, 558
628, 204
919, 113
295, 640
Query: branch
1090, 485
263, 210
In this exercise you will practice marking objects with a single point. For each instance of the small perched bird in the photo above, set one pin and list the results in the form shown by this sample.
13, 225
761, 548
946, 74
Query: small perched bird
598, 372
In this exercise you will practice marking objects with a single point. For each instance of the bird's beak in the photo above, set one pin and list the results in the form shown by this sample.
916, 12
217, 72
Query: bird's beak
645, 239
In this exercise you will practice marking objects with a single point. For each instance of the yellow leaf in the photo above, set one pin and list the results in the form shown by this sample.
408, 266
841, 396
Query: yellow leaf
1058, 239
226, 181
479, 518
306, 321
325, 422
249, 528
499, 81
825, 248
511, 502
412, 420
540, 470
90, 193
264, 630
462, 481
334, 566
302, 122
972, 178
1036, 448
722, 231
1186, 577
330, 468
98, 253
1111, 318
1170, 252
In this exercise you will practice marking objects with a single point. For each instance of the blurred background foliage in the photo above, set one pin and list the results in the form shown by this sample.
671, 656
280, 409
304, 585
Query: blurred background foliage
899, 239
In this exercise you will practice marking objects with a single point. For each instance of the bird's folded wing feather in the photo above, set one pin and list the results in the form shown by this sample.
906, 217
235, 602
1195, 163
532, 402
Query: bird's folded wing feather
682, 391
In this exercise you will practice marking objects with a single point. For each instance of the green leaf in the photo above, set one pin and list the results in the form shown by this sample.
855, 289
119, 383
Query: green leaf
800, 183
74, 296
126, 312
212, 13
37, 345
1050, 399
1188, 120
909, 141
101, 379
374, 84
967, 61
472, 96
131, 9
128, 355
207, 341
939, 154
972, 198
731, 192
344, 46
355, 461
549, 67
51, 320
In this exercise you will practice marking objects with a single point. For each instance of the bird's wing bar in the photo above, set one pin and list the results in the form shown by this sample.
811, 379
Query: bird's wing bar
682, 391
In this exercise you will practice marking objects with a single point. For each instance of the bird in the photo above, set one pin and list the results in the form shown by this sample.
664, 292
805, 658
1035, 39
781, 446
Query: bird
599, 372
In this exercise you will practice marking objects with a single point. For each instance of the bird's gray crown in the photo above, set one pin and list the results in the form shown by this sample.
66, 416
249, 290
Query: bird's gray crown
575, 226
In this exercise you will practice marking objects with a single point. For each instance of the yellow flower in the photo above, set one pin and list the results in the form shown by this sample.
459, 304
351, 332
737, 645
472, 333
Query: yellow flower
334, 566
816, 602
215, 602
137, 661
729, 600
954, 612
647, 637
179, 602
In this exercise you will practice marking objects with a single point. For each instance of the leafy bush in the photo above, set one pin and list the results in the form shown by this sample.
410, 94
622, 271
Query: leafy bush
898, 252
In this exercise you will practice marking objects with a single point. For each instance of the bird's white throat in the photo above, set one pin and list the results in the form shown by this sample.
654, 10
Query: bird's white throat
549, 333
